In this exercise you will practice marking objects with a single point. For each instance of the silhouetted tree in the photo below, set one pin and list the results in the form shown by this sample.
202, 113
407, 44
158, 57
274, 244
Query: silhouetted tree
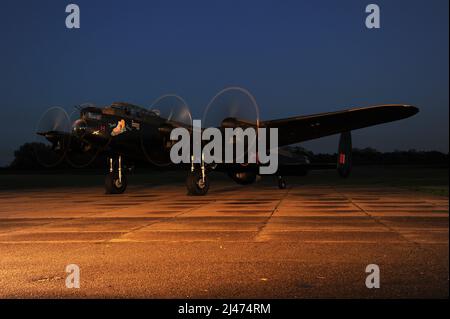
25, 156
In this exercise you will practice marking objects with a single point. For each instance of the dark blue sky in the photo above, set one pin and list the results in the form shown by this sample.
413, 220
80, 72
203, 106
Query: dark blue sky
296, 57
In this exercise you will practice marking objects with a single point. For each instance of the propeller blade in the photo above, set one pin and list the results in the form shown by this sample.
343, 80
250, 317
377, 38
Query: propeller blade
233, 107
231, 103
82, 150
173, 112
173, 108
52, 137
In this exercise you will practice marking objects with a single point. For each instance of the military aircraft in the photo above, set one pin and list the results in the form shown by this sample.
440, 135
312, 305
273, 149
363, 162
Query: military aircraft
127, 133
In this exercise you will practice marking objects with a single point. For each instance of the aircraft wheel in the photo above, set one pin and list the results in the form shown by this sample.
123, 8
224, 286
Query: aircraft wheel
195, 184
113, 185
243, 178
344, 172
281, 183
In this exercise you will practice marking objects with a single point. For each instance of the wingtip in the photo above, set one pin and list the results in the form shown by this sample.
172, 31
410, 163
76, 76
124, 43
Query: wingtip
413, 109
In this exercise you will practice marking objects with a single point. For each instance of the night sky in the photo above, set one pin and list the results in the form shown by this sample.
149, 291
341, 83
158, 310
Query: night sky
296, 57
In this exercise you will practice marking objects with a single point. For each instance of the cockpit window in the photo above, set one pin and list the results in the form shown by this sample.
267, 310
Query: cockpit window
132, 110
93, 116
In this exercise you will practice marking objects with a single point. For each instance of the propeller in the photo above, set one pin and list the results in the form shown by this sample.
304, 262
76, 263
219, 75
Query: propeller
52, 137
172, 108
231, 104
81, 152
172, 111
233, 107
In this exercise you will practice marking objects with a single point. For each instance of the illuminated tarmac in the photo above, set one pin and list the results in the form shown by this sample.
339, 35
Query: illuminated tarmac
236, 242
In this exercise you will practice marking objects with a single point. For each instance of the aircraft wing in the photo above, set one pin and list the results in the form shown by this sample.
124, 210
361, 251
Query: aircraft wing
54, 136
302, 128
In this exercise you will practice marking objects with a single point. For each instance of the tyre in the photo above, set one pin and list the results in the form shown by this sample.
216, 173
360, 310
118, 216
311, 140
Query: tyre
113, 185
195, 184
243, 178
344, 171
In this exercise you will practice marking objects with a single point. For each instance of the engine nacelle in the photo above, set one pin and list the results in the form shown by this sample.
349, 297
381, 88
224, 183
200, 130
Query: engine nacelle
243, 177
344, 160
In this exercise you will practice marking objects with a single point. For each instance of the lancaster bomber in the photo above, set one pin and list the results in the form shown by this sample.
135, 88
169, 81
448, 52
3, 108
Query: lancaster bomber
128, 133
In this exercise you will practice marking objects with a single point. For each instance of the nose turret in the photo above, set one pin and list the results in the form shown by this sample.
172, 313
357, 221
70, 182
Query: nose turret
79, 127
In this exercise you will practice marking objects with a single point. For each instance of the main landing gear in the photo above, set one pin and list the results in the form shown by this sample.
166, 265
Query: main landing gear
197, 181
116, 180
281, 182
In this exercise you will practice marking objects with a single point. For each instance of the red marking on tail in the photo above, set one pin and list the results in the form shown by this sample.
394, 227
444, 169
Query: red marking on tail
342, 158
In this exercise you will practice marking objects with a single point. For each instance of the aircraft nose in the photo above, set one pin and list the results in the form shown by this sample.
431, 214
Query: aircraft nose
79, 127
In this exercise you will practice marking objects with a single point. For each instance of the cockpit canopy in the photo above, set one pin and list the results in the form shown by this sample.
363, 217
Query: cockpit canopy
128, 109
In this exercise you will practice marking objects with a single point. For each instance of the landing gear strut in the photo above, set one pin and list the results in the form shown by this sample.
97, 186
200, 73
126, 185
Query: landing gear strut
281, 183
197, 181
116, 180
